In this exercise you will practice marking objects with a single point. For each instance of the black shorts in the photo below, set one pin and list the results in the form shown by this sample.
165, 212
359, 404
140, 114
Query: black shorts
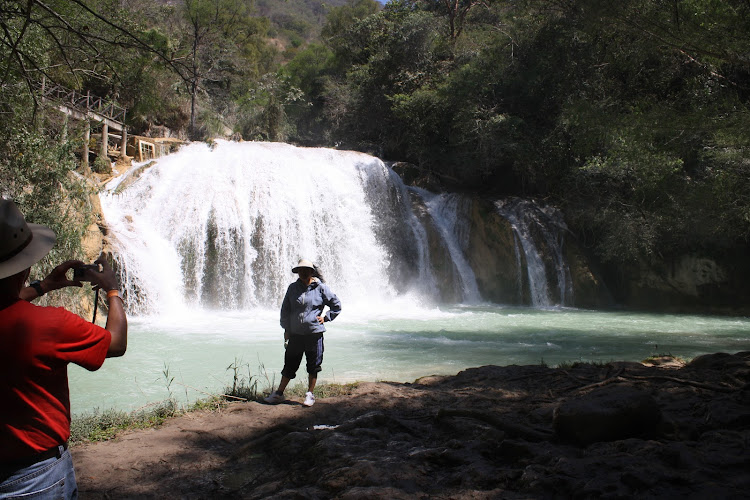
311, 346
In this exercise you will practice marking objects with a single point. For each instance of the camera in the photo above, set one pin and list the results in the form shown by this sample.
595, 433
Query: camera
80, 272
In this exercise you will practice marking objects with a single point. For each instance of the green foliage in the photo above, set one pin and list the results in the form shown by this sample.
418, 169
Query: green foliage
341, 19
295, 23
264, 108
244, 386
645, 182
102, 165
38, 175
102, 426
727, 177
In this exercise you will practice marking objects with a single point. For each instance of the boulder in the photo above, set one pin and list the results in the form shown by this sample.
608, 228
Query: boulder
606, 414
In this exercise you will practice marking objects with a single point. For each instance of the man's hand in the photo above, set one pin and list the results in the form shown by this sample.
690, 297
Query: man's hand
58, 278
104, 279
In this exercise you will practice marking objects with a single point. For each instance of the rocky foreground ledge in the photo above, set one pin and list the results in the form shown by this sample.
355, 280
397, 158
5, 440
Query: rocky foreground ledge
618, 430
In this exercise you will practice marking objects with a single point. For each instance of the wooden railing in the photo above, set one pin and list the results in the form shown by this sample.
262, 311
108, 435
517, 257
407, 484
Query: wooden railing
83, 102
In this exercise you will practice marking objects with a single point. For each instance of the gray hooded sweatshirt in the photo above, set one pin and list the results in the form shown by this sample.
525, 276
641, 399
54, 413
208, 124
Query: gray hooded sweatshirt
302, 304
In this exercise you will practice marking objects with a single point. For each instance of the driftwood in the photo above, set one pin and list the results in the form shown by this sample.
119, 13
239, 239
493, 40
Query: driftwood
692, 383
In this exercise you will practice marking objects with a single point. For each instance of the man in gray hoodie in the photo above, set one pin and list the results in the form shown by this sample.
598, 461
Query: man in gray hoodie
303, 321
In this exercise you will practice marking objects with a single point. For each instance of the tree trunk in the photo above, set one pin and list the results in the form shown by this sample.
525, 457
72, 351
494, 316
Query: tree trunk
124, 142
85, 154
105, 141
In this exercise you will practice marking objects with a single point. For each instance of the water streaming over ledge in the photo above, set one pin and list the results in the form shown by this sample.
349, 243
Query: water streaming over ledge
535, 228
220, 226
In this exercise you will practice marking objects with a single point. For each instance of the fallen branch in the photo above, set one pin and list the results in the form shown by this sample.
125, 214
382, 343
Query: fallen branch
692, 383
614, 378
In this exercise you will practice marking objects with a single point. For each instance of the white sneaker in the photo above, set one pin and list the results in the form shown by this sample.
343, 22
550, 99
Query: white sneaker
309, 399
274, 398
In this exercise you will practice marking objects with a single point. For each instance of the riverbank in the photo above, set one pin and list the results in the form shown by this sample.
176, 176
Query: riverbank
585, 430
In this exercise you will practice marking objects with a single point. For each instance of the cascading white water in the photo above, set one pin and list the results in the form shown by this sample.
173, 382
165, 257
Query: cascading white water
222, 226
527, 218
448, 215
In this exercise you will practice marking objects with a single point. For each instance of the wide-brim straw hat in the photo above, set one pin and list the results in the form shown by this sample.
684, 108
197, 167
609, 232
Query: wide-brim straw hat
21, 245
303, 263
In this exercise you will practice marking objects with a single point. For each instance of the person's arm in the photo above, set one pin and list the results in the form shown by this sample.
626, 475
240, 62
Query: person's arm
333, 303
286, 308
57, 279
117, 322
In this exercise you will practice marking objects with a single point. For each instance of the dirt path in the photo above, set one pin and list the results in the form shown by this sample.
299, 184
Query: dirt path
490, 432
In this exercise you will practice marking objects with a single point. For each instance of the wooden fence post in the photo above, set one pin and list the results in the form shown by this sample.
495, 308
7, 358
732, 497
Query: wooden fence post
124, 142
86, 140
105, 141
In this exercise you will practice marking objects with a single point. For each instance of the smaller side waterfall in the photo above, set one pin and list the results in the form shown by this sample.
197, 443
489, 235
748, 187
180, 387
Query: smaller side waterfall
540, 231
448, 214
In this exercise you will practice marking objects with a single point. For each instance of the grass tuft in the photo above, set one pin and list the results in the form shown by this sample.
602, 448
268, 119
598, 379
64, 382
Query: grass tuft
102, 426
105, 425
321, 391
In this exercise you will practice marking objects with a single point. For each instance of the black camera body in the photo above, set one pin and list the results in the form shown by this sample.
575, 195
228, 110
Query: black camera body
79, 273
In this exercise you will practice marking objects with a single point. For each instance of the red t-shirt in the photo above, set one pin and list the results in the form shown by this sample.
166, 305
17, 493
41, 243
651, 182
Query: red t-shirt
36, 345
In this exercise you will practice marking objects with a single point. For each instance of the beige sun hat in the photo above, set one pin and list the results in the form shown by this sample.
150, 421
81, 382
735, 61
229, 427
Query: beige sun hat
21, 245
303, 263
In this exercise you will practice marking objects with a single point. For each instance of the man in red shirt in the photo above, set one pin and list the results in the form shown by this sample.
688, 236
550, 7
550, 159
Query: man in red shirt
36, 345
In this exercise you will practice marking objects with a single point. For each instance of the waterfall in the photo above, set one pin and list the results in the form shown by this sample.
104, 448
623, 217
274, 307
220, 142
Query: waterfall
448, 212
540, 231
220, 227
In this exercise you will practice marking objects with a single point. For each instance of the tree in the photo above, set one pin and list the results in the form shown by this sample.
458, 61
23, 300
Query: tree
264, 108
309, 71
455, 11
213, 28
341, 19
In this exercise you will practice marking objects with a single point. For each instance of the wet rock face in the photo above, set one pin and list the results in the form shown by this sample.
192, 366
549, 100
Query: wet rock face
687, 283
607, 415
501, 268
492, 255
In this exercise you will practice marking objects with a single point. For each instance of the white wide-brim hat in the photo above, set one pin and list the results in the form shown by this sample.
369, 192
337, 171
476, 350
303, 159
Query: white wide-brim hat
21, 245
303, 263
